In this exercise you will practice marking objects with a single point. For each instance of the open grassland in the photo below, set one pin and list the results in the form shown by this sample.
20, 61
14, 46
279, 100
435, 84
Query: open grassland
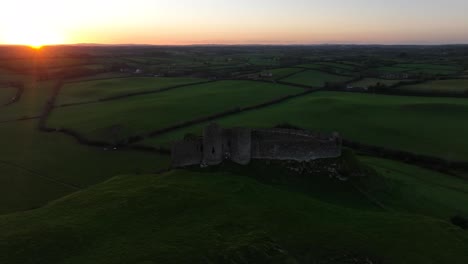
432, 126
218, 217
119, 119
93, 90
420, 191
315, 78
368, 82
6, 94
37, 167
455, 86
32, 101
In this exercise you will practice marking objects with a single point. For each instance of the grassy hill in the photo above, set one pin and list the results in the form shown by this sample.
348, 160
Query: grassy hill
221, 217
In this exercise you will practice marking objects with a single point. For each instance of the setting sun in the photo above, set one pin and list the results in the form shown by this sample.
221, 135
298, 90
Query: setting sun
33, 36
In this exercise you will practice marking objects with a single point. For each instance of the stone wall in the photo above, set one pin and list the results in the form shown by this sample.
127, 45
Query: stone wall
243, 144
212, 145
286, 144
186, 153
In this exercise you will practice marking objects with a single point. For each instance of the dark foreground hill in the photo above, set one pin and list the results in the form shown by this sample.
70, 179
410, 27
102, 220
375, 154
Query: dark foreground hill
222, 216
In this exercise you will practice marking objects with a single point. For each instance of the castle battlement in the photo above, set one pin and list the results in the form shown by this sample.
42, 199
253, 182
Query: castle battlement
241, 145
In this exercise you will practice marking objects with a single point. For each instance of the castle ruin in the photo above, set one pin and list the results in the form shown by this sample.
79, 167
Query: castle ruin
241, 145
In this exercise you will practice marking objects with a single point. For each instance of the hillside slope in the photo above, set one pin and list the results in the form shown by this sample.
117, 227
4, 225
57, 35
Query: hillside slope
218, 217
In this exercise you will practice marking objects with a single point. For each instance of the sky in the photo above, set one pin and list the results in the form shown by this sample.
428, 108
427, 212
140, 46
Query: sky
184, 22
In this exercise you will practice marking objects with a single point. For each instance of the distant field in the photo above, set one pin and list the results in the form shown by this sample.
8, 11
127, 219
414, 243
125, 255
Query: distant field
421, 68
389, 121
134, 115
420, 191
315, 78
106, 75
263, 61
94, 90
392, 69
455, 86
283, 72
7, 76
330, 66
6, 94
429, 66
338, 65
368, 82
28, 158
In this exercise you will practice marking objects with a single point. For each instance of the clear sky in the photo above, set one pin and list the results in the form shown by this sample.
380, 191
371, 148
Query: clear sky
37, 22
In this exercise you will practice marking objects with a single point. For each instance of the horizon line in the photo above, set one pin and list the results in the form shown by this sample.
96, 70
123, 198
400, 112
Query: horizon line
240, 44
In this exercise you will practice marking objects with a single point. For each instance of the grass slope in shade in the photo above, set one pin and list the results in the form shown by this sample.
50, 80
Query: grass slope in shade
122, 118
456, 86
417, 190
94, 90
315, 78
29, 157
396, 122
6, 94
217, 217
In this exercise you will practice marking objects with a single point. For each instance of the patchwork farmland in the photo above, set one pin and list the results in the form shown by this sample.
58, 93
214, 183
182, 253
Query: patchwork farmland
85, 161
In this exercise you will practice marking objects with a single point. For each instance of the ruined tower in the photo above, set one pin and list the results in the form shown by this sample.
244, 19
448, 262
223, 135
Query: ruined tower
212, 145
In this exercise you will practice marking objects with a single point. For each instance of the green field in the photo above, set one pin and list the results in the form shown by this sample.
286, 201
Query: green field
219, 217
420, 191
283, 72
94, 90
421, 69
6, 94
315, 78
368, 82
114, 120
36, 167
455, 86
31, 103
395, 122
